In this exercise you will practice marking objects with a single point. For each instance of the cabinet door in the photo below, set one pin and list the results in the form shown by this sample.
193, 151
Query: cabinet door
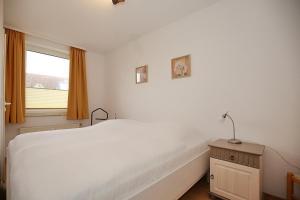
233, 181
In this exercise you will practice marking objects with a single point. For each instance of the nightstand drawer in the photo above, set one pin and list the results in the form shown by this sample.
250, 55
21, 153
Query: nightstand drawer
237, 157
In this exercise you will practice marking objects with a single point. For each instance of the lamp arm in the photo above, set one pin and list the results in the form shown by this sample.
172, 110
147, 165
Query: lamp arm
233, 126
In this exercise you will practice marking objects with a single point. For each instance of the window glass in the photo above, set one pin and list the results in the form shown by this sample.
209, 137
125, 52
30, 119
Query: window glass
47, 81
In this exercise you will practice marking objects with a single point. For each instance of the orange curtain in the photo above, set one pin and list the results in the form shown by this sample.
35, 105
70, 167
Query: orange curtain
15, 77
78, 98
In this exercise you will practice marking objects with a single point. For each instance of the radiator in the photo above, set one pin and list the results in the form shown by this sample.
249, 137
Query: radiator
48, 128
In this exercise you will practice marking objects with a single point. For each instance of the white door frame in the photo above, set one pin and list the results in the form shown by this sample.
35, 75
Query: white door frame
2, 106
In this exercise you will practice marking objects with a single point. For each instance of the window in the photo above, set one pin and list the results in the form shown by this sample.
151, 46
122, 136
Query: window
47, 81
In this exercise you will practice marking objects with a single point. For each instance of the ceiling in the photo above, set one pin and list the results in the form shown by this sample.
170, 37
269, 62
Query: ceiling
95, 25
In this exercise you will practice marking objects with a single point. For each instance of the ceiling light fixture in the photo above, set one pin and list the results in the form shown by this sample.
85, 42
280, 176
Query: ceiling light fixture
115, 2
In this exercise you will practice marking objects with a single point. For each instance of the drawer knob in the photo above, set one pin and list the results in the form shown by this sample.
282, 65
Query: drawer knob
212, 177
232, 157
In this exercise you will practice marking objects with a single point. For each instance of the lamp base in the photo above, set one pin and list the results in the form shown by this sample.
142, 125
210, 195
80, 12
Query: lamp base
234, 141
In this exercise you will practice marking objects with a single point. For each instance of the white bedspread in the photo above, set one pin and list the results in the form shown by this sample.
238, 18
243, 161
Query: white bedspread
110, 161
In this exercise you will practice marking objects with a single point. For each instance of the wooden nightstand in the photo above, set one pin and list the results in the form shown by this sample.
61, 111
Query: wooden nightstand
236, 170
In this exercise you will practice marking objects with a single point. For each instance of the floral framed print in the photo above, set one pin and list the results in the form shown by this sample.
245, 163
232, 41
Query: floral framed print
181, 67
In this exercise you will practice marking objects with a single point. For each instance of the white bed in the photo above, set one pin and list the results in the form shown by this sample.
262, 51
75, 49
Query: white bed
114, 160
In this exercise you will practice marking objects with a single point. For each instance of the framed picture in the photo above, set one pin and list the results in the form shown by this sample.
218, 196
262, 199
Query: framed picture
141, 74
181, 67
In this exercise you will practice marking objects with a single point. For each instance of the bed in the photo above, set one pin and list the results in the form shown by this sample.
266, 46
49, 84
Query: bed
113, 160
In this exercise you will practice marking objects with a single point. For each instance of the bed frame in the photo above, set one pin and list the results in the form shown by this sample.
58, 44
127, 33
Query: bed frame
173, 186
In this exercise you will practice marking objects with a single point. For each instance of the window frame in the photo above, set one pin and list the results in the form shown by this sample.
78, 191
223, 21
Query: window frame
51, 51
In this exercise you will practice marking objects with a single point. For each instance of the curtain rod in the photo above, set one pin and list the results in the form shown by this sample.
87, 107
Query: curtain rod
42, 37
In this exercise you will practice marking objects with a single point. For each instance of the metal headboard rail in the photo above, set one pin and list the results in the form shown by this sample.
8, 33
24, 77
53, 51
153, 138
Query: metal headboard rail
92, 115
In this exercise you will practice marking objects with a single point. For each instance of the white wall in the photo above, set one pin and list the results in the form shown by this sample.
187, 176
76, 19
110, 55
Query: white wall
245, 59
95, 78
2, 13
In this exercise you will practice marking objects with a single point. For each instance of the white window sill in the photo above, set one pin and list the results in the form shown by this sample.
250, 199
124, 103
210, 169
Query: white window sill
45, 112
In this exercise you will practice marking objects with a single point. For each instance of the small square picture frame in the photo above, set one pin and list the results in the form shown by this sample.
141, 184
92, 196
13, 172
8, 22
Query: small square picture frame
181, 67
141, 74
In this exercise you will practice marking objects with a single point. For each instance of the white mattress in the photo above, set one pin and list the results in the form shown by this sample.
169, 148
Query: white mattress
113, 160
